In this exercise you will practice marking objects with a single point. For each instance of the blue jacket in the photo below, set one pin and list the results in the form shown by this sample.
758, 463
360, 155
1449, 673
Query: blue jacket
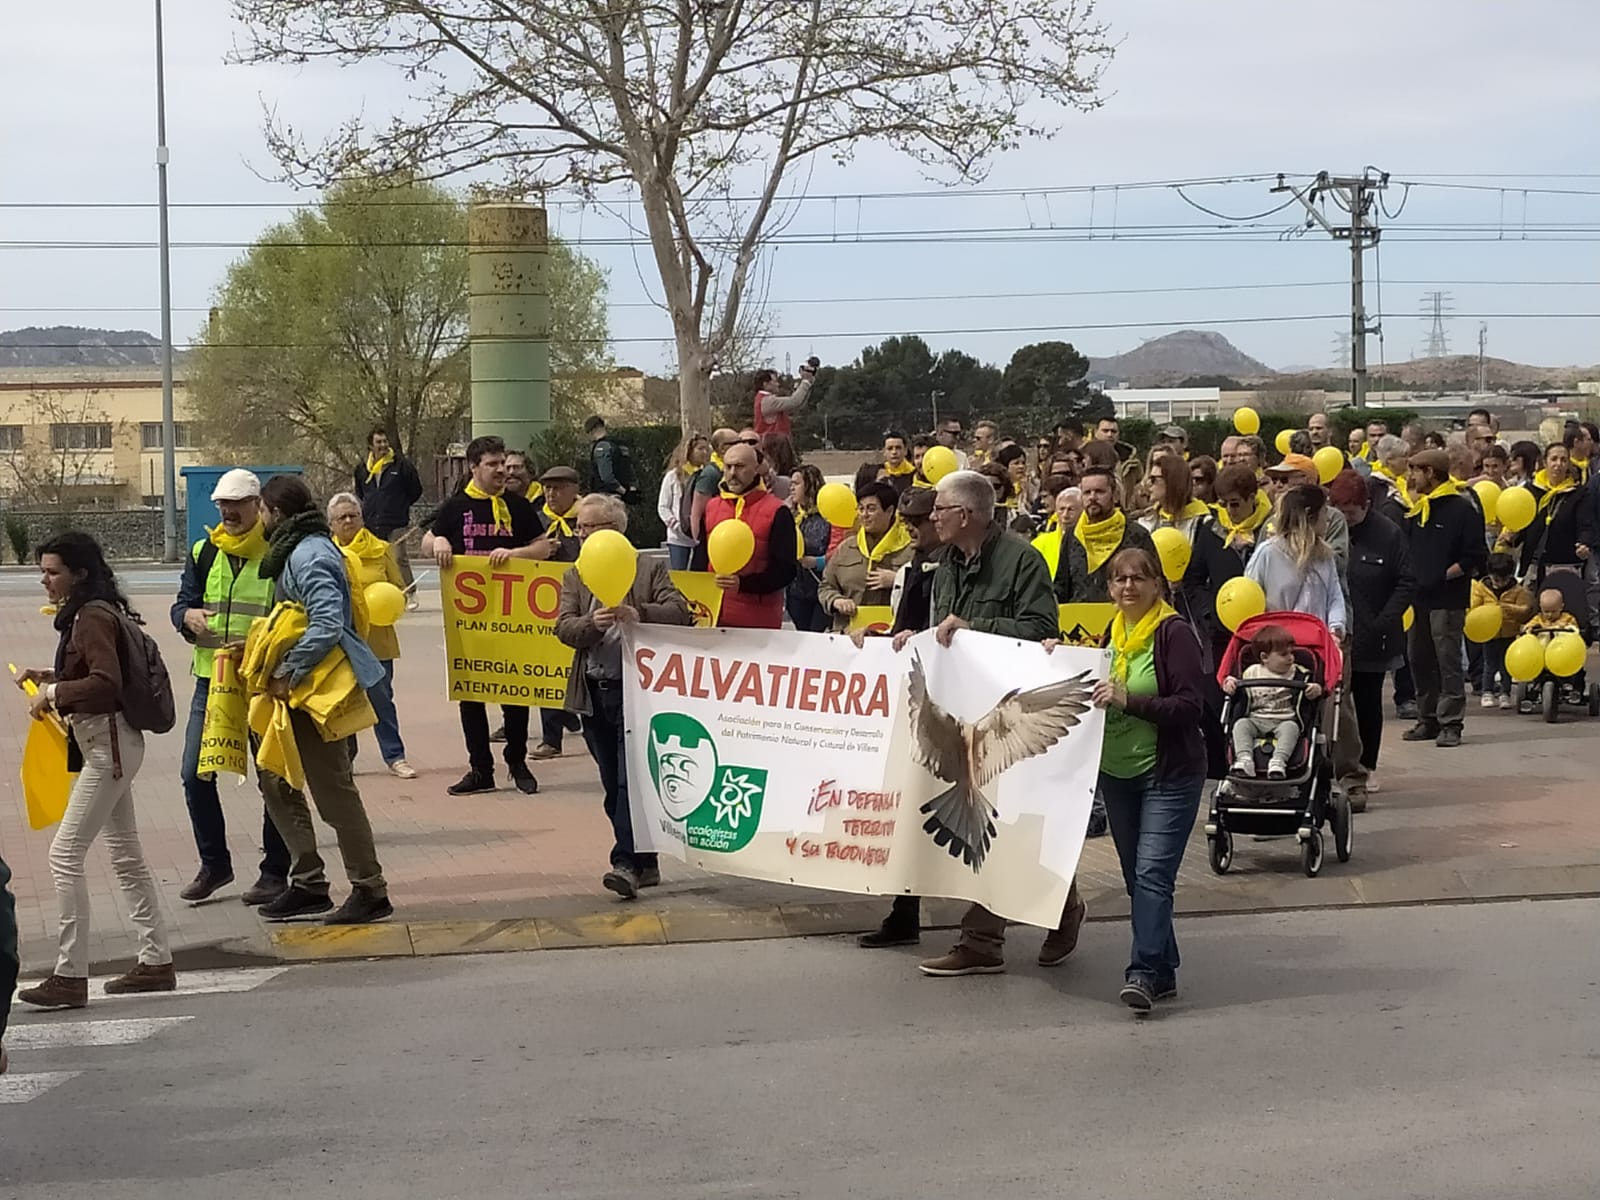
315, 577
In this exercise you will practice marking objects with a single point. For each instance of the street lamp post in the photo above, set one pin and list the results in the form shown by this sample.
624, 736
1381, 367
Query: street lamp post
169, 433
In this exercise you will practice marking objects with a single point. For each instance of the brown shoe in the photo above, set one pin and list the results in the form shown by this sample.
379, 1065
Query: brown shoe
1060, 943
963, 960
545, 750
146, 977
58, 991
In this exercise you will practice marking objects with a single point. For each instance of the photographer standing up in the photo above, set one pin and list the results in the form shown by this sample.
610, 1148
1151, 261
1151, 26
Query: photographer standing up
772, 411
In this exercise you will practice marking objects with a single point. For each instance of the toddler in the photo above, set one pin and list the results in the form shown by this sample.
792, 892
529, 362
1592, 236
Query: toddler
1500, 587
1269, 711
1552, 617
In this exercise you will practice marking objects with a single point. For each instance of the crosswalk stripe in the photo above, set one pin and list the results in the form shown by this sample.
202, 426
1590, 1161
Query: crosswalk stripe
40, 1035
19, 1089
190, 983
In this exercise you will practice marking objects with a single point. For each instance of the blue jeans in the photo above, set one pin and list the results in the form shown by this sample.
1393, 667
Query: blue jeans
9, 963
1495, 679
1150, 823
678, 557
388, 732
602, 730
205, 805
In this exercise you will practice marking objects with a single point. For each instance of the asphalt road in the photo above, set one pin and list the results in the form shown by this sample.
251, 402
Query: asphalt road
138, 579
1423, 1052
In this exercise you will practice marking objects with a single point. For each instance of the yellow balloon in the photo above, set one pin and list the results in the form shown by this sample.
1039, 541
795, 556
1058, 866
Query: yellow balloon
937, 462
1284, 440
1515, 509
836, 503
1238, 600
1483, 623
385, 603
729, 546
1407, 617
608, 564
1247, 421
1489, 496
1174, 551
1329, 463
1565, 654
1525, 658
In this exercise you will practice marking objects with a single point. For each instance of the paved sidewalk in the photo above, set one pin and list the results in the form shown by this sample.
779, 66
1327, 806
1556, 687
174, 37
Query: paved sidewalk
1507, 814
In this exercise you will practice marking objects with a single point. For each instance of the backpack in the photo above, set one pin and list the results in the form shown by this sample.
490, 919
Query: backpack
146, 699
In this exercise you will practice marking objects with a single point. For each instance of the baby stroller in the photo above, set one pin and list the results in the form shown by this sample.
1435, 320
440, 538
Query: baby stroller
1301, 802
1549, 691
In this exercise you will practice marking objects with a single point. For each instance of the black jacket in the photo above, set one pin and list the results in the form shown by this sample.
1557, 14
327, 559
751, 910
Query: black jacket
916, 595
1074, 582
1381, 588
386, 505
1589, 512
1556, 532
1453, 535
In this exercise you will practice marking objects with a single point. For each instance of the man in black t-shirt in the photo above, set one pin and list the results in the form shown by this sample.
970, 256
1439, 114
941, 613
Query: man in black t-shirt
484, 520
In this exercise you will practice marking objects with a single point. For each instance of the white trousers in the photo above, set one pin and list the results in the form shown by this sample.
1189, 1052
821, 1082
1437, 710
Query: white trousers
102, 800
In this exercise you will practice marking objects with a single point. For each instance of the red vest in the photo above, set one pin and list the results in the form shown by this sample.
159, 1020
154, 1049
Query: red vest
751, 610
764, 425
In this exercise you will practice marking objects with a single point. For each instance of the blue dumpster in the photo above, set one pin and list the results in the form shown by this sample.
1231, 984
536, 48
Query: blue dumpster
200, 482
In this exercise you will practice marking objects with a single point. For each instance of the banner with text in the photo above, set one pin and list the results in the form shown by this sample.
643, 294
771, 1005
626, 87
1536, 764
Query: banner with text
965, 772
500, 632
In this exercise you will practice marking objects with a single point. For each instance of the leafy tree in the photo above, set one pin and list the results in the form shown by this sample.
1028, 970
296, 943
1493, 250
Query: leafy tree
1047, 377
1225, 383
354, 315
697, 104
966, 386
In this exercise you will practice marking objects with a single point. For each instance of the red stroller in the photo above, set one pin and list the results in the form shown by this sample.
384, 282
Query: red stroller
1299, 803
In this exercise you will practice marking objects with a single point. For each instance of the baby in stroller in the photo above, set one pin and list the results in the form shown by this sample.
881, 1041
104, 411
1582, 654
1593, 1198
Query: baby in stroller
1562, 595
1271, 713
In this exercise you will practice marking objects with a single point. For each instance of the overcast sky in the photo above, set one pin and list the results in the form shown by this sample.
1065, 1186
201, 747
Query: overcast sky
1501, 96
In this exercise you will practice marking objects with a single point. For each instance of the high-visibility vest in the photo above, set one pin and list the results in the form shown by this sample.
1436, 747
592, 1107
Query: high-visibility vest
237, 597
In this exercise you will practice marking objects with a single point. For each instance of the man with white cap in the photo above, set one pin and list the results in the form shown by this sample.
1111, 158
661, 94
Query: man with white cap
222, 591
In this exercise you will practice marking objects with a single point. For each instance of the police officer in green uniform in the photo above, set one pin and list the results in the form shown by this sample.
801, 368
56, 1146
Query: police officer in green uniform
221, 593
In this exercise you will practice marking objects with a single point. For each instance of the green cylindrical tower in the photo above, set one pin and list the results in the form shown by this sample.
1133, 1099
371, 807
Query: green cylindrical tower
509, 320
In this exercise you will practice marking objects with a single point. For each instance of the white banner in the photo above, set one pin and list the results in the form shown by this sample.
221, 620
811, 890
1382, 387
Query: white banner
795, 757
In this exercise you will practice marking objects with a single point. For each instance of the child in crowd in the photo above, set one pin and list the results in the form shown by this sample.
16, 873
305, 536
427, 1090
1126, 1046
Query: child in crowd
1270, 712
1500, 587
1552, 617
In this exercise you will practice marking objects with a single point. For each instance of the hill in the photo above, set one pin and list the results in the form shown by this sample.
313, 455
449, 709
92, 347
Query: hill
1453, 372
1164, 361
72, 346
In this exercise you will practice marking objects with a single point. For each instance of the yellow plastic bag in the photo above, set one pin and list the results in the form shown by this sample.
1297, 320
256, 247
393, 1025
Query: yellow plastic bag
225, 742
46, 783
279, 752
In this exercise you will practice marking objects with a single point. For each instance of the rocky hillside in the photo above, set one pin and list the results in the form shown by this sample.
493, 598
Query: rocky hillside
71, 346
1164, 361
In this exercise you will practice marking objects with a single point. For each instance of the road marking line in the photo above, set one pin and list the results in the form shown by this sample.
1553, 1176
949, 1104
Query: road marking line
40, 1035
19, 1089
190, 983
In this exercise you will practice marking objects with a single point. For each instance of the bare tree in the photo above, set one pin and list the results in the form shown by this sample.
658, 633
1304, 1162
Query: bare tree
689, 101
70, 437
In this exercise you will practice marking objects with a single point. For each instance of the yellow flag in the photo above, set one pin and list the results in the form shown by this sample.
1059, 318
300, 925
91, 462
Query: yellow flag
225, 741
1085, 624
872, 618
700, 589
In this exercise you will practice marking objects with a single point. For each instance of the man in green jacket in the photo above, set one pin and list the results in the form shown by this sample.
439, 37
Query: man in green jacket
992, 582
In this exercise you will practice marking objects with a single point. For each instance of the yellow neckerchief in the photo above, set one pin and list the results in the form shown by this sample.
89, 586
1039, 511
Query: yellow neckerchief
737, 499
919, 482
1542, 480
716, 460
1420, 509
366, 545
1011, 504
688, 468
1399, 485
1053, 525
375, 466
251, 545
1195, 508
903, 467
497, 505
1365, 453
562, 521
1127, 643
1100, 539
1249, 525
895, 540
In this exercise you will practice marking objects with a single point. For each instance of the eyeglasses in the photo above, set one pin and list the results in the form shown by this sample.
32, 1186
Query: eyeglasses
751, 441
939, 508
1130, 580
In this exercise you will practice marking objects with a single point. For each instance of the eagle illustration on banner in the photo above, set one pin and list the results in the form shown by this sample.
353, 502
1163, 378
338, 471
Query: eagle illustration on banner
969, 757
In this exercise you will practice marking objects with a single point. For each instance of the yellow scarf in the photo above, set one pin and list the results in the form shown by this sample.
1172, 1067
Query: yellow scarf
561, 521
1542, 480
716, 460
497, 505
366, 546
903, 467
1100, 539
251, 545
1420, 509
1365, 453
1383, 472
1249, 525
737, 499
1195, 508
920, 482
897, 539
1127, 644
375, 466
1580, 467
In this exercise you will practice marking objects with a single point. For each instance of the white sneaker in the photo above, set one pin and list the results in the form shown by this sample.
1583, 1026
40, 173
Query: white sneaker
1488, 700
1505, 700
401, 769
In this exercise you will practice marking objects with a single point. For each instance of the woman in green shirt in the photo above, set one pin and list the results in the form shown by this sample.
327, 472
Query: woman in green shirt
1152, 761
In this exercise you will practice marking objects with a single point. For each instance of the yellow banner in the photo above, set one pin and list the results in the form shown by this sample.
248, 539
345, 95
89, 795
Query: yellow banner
700, 589
500, 632
1085, 624
225, 741
872, 618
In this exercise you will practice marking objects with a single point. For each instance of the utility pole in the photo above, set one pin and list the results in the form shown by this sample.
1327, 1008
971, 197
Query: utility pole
169, 432
1483, 366
1434, 307
1356, 195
